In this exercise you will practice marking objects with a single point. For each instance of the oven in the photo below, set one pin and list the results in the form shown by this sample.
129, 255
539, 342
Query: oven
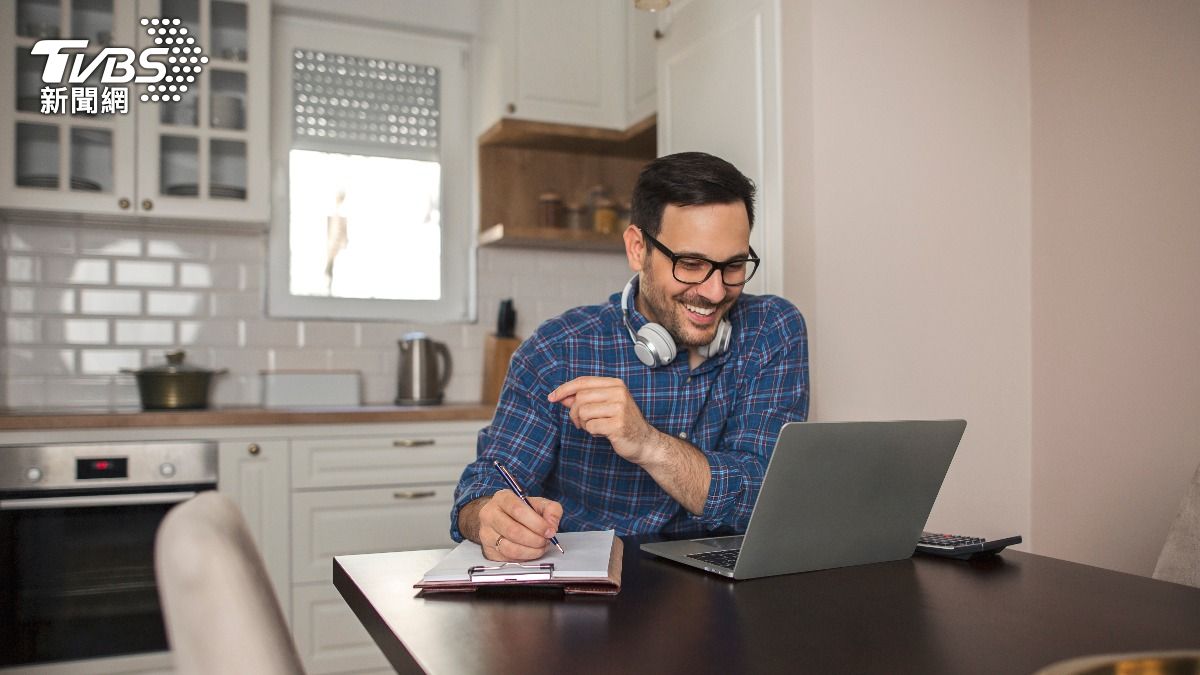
77, 526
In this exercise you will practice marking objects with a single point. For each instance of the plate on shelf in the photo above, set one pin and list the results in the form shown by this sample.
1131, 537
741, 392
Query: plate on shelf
182, 190
227, 191
51, 182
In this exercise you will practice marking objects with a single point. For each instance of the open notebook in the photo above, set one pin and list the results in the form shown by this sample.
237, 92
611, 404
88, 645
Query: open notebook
592, 564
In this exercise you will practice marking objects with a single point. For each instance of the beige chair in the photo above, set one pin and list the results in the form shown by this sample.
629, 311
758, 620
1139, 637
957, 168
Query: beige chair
220, 611
1180, 557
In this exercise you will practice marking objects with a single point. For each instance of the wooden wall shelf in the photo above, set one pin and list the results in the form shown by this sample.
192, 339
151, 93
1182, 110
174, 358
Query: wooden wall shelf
548, 238
638, 141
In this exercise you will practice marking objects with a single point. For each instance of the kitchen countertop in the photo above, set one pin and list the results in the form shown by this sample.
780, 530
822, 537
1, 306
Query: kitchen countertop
95, 418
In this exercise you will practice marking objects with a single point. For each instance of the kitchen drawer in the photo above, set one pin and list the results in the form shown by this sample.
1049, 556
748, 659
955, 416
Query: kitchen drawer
338, 522
422, 453
328, 636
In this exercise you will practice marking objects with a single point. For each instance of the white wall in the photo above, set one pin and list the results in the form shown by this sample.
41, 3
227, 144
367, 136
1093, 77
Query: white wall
916, 137
1116, 275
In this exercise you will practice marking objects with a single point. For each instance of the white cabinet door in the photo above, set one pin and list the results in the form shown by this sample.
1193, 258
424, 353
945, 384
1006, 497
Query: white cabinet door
342, 522
206, 157
329, 638
255, 475
718, 92
641, 87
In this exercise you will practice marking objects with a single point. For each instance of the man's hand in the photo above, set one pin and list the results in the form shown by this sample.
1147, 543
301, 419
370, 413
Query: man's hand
603, 406
507, 529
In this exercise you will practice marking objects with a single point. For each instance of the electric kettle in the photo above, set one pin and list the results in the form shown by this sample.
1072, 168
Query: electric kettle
421, 380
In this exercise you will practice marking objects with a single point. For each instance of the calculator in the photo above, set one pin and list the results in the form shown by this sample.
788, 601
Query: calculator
961, 546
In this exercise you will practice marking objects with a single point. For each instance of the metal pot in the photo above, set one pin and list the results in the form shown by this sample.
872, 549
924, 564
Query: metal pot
174, 385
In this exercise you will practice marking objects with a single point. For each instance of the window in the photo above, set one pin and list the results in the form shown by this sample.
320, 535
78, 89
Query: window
374, 223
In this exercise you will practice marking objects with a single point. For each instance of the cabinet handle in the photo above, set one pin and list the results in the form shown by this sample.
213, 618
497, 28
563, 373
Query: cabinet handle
412, 442
147, 205
253, 449
512, 108
124, 203
414, 494
658, 34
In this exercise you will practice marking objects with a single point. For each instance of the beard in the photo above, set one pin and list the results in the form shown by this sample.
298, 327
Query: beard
668, 311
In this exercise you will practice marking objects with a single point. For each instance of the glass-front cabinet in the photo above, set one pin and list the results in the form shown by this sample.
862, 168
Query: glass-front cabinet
178, 132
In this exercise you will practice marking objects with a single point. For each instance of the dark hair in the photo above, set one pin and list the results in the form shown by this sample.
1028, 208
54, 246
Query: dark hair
687, 179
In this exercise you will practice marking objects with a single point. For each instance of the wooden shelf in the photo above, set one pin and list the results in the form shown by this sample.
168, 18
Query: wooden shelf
547, 238
638, 141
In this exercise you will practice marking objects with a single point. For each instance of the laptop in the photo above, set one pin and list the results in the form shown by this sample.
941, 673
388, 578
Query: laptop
835, 494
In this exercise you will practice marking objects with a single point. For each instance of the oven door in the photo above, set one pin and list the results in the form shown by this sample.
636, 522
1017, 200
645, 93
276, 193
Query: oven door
78, 570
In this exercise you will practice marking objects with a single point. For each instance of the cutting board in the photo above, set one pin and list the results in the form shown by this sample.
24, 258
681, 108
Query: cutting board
497, 352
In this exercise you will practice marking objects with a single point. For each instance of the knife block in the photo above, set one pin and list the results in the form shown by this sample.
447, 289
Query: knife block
497, 352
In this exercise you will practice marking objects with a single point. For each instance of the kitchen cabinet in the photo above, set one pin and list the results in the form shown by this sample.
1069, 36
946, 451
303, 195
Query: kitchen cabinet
579, 62
203, 158
254, 474
365, 494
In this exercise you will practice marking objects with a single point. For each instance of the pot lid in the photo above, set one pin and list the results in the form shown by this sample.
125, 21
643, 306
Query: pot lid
175, 364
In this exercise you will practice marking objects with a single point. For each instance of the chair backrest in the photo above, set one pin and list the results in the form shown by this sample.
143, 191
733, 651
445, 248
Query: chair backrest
1180, 557
220, 612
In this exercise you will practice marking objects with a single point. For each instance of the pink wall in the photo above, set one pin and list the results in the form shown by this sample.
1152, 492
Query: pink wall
1116, 274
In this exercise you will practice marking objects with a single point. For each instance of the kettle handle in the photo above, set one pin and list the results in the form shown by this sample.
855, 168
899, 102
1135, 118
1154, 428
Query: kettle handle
444, 351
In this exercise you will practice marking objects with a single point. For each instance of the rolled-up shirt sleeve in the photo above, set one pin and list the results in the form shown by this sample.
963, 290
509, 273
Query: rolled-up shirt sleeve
773, 390
522, 436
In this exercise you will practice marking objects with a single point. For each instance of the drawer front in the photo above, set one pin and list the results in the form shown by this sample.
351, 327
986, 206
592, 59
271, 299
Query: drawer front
341, 522
329, 637
426, 453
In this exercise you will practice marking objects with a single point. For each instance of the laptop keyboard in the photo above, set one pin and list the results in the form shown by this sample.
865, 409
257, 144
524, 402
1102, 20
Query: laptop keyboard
726, 559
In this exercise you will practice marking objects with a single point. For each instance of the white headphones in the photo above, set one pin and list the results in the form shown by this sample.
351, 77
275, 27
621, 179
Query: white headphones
654, 345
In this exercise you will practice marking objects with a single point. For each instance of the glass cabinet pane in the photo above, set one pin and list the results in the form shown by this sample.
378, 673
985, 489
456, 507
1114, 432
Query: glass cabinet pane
92, 20
183, 113
38, 18
227, 103
228, 174
229, 30
179, 157
187, 11
29, 80
91, 160
37, 155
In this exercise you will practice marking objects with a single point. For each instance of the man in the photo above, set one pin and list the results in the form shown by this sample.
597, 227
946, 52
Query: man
605, 425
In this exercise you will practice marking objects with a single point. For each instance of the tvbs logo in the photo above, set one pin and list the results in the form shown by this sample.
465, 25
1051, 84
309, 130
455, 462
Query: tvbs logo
167, 68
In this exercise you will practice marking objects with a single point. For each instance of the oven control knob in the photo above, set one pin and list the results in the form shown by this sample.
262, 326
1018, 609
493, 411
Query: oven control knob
167, 469
34, 474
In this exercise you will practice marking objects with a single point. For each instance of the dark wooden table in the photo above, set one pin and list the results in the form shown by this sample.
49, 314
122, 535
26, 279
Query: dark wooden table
1011, 614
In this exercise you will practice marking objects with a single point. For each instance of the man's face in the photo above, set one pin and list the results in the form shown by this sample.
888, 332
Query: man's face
691, 312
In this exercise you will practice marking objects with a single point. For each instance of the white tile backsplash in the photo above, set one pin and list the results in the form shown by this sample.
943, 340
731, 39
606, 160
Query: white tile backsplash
142, 273
103, 301
82, 303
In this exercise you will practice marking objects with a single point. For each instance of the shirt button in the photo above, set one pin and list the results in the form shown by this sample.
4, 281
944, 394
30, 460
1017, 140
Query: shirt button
689, 379
683, 435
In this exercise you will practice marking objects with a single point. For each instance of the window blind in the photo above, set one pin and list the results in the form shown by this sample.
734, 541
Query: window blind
359, 105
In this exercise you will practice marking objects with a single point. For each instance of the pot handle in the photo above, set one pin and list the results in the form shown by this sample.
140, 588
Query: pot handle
444, 352
220, 371
128, 371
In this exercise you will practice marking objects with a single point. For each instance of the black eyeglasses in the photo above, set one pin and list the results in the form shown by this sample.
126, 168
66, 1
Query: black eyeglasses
689, 269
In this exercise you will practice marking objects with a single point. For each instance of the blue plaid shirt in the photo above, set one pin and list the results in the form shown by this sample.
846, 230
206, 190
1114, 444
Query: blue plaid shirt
731, 407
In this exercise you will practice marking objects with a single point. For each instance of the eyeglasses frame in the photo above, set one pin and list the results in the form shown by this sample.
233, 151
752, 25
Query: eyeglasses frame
713, 265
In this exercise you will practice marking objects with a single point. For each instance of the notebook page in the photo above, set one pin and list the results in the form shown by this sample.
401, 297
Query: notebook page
586, 558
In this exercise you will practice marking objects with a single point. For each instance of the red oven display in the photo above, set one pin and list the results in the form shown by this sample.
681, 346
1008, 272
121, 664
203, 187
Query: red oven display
102, 467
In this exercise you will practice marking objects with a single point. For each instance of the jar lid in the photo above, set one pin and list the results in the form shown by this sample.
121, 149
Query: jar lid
605, 203
549, 197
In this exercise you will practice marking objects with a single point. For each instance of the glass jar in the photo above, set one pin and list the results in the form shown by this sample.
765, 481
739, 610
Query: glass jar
604, 216
575, 218
550, 210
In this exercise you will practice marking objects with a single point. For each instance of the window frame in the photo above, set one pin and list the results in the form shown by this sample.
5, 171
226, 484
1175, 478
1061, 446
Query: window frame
450, 56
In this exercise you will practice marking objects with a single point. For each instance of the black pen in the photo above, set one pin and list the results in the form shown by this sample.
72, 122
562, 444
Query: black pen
512, 485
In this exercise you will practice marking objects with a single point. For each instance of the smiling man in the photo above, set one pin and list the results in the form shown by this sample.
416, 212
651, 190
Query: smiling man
601, 416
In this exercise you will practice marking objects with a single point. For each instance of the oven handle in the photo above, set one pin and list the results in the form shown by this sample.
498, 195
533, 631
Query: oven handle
98, 500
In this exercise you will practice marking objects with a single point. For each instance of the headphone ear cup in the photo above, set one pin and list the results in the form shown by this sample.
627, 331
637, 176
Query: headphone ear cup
720, 341
654, 346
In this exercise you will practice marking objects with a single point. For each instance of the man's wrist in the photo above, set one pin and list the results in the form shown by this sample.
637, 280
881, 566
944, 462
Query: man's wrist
468, 518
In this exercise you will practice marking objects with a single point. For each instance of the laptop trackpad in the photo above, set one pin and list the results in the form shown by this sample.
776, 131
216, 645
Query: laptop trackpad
722, 543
